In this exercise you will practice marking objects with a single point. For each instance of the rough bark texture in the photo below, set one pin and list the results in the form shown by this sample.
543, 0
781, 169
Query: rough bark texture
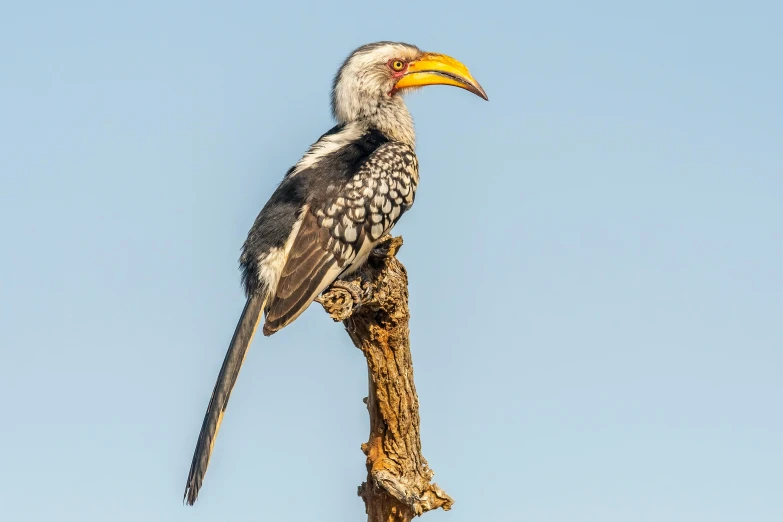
398, 485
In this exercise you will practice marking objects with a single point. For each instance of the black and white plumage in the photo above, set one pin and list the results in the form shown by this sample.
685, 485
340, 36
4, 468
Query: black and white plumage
332, 207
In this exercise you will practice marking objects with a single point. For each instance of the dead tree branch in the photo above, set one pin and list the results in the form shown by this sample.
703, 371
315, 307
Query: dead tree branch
373, 306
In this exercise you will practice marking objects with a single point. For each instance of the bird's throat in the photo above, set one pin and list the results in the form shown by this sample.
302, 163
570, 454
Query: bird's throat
392, 118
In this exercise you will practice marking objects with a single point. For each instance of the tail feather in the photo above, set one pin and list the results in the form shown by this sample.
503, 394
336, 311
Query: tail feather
227, 377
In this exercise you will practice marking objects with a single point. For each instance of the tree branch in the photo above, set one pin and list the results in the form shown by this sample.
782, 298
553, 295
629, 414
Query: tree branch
374, 309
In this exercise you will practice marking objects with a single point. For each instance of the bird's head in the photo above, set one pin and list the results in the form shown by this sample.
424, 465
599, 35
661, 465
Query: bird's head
369, 84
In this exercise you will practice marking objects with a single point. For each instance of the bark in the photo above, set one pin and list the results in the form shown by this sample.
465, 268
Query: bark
398, 485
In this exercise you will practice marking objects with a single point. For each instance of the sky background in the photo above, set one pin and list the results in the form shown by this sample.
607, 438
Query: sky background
595, 260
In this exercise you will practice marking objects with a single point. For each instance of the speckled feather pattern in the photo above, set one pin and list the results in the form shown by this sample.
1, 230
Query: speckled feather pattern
343, 220
372, 201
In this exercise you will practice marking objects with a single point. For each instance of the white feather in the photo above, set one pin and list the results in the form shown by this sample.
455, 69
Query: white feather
271, 264
329, 144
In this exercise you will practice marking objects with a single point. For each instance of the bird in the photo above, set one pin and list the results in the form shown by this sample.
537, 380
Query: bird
332, 207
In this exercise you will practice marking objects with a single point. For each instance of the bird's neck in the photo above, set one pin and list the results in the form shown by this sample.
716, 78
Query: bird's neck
390, 116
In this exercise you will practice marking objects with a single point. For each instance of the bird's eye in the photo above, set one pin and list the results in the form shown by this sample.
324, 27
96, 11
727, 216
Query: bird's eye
397, 65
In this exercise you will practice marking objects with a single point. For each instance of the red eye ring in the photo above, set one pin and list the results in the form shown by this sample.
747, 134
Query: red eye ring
396, 65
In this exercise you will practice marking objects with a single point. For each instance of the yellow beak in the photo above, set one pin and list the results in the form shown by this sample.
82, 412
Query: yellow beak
439, 69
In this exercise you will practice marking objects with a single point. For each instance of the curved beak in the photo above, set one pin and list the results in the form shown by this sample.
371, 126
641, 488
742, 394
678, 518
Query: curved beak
439, 69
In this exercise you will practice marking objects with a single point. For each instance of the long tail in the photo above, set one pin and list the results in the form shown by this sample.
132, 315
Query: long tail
227, 377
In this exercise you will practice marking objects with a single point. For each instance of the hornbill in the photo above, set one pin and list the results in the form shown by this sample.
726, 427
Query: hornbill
333, 206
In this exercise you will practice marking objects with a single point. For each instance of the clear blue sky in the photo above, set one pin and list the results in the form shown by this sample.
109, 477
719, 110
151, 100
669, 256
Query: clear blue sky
595, 258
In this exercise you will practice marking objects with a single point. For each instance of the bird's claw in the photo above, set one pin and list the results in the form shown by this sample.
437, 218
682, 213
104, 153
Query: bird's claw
353, 289
339, 305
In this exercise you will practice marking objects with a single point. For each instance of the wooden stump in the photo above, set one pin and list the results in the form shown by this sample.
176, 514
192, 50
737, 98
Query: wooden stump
398, 485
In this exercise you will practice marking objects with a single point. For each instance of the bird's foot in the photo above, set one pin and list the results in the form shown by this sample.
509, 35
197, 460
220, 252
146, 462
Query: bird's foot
352, 288
342, 299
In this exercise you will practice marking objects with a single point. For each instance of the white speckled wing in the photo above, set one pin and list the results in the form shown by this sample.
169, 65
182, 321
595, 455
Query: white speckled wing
339, 230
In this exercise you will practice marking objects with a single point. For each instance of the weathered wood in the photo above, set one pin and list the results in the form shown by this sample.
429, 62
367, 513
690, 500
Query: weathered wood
398, 485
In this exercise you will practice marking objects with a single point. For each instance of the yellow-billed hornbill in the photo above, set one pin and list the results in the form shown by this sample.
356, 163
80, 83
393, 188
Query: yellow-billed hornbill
333, 206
